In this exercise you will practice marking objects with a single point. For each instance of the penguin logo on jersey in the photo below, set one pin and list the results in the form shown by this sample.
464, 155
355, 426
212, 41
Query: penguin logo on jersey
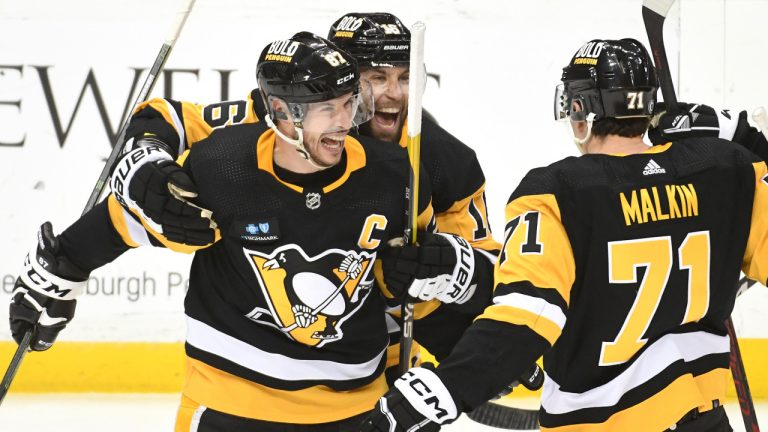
309, 298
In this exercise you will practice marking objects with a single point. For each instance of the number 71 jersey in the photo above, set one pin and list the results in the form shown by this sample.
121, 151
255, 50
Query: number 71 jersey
628, 266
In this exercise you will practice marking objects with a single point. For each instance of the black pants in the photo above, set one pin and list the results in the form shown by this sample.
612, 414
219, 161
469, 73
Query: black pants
215, 421
714, 420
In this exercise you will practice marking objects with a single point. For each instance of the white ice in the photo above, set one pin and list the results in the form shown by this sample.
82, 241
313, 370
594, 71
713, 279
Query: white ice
64, 412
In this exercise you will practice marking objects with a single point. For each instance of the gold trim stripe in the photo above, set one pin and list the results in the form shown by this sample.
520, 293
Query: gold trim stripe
158, 367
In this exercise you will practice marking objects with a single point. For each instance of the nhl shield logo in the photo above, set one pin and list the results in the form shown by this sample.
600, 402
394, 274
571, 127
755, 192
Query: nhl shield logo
313, 200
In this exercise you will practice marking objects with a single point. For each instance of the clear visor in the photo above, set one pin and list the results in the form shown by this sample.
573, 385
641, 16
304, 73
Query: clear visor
560, 104
338, 114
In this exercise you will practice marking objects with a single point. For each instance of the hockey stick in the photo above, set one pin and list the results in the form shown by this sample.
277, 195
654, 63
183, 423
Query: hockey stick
101, 183
654, 13
737, 369
143, 95
415, 91
505, 417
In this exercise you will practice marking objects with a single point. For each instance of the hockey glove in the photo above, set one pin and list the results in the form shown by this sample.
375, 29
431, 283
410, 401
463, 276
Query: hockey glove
695, 121
43, 298
440, 266
149, 182
418, 402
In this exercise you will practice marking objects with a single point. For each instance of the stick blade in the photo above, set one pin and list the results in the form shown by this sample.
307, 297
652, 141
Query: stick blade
505, 417
660, 7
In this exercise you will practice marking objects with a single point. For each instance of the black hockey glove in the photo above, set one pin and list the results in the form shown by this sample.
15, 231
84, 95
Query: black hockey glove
418, 402
439, 266
43, 298
148, 181
695, 121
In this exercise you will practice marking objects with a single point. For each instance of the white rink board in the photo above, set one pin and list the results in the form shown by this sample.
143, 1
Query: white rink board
498, 61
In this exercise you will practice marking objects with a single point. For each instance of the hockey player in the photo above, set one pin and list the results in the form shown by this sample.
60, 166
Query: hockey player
285, 321
619, 266
381, 44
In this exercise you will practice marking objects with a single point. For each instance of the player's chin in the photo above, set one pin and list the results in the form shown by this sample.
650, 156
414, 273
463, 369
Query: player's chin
388, 132
328, 152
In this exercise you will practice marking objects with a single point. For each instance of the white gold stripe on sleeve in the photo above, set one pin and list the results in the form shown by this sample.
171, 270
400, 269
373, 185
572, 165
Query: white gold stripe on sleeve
534, 305
278, 366
665, 351
135, 229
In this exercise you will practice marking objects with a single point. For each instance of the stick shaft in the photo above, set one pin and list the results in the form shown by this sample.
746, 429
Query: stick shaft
143, 95
415, 90
654, 14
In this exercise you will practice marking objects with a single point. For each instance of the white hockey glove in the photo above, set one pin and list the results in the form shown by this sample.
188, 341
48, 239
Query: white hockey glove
148, 181
440, 266
43, 298
419, 401
695, 121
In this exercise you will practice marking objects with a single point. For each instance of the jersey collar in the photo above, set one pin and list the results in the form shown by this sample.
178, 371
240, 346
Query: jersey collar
265, 148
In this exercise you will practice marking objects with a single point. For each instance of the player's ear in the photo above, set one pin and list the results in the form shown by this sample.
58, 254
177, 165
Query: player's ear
280, 108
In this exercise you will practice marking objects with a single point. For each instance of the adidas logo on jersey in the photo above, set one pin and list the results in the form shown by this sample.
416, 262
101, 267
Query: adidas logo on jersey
653, 168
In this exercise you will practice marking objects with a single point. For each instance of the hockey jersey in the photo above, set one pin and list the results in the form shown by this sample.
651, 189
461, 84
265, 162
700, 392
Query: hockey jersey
627, 266
454, 173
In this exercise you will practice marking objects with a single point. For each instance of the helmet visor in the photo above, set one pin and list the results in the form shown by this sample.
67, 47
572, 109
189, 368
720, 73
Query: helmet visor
341, 113
560, 103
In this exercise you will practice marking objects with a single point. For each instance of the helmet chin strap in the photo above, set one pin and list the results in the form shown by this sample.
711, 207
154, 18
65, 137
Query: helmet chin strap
581, 141
298, 143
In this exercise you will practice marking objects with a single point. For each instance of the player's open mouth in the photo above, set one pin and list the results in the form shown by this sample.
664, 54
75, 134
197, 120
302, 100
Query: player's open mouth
333, 143
387, 117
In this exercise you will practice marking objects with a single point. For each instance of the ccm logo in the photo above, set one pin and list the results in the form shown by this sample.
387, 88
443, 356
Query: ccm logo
426, 394
345, 79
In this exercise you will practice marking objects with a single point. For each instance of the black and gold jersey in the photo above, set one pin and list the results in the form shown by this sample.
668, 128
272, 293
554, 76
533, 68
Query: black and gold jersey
285, 314
627, 266
455, 176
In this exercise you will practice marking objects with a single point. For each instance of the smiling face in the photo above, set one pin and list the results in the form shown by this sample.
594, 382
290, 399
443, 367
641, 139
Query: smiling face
324, 126
390, 91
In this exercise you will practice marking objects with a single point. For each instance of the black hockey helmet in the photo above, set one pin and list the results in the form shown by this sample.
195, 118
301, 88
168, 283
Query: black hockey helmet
375, 39
609, 78
304, 69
